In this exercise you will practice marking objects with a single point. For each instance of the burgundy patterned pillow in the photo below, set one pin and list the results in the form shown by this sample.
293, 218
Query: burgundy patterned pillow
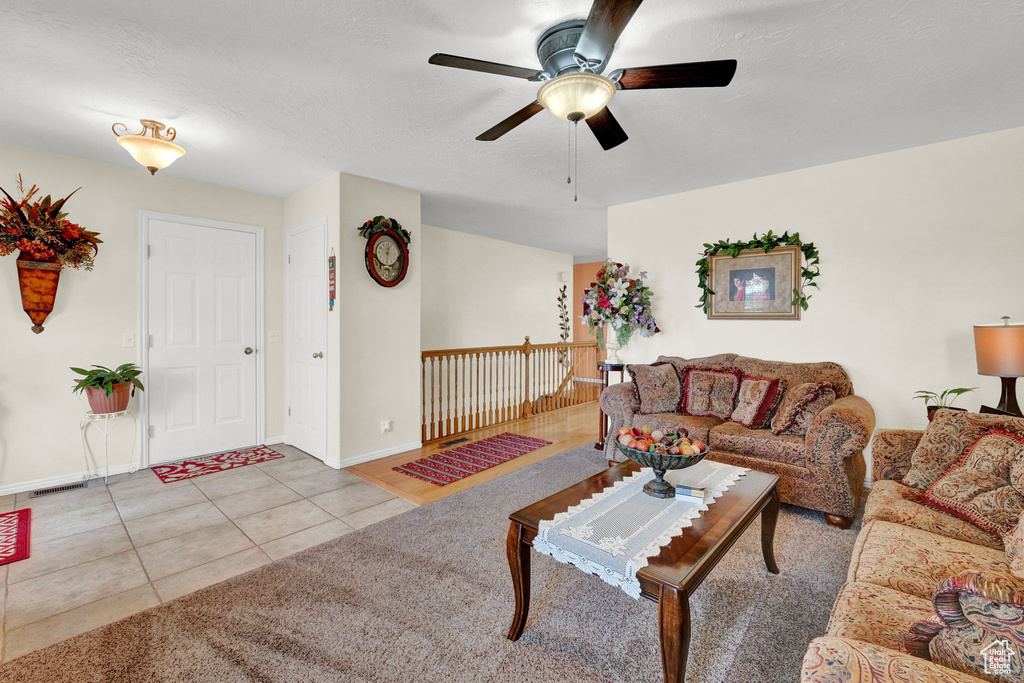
946, 439
800, 406
756, 401
984, 487
656, 387
710, 393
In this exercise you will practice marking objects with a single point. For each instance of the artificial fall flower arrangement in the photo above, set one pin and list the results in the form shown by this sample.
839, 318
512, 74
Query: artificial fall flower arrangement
620, 301
41, 232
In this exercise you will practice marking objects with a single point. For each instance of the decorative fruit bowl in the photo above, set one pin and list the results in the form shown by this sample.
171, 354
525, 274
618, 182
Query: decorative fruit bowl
666, 452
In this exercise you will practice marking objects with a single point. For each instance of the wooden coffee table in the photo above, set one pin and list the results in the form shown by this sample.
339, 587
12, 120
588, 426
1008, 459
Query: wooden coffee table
670, 578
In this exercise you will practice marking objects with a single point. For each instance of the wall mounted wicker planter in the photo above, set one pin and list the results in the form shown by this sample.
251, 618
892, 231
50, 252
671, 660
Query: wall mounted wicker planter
38, 282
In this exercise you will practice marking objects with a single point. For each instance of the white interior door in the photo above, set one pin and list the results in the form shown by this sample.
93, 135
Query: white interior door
307, 338
202, 361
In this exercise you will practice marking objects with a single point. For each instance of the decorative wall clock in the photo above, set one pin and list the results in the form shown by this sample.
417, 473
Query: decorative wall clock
387, 250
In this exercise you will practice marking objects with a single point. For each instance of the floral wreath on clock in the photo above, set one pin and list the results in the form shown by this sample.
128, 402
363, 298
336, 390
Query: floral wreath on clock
381, 224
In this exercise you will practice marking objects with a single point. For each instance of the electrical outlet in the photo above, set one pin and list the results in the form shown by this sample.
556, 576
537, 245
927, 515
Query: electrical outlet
128, 340
386, 426
275, 337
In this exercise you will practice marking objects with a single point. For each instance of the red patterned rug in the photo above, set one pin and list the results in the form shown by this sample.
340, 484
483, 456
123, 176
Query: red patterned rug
208, 464
448, 466
14, 535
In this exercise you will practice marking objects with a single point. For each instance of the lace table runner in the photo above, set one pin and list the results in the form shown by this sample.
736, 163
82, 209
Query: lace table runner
613, 533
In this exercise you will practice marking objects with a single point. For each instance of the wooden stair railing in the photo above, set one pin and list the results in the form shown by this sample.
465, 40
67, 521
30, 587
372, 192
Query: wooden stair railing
467, 389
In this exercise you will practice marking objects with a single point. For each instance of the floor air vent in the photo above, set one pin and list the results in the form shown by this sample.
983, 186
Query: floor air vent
461, 439
56, 489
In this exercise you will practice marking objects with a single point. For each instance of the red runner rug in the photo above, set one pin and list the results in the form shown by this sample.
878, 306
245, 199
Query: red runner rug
448, 466
14, 535
208, 464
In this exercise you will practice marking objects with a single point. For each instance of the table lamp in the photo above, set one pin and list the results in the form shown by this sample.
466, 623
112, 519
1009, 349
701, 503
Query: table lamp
1000, 350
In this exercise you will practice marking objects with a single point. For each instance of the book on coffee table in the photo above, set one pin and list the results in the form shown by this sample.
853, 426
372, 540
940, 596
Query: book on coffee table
696, 492
691, 481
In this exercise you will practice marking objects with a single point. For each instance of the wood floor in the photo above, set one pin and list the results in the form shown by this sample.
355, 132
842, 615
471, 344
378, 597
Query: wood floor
565, 429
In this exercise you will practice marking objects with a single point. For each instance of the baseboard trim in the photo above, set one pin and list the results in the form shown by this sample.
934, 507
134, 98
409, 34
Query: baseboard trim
271, 440
61, 480
374, 455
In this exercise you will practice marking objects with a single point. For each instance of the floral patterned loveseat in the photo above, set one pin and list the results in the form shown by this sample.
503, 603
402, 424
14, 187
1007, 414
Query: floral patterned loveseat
929, 597
823, 470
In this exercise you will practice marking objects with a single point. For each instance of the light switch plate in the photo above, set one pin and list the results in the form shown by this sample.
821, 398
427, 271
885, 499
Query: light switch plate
128, 340
275, 337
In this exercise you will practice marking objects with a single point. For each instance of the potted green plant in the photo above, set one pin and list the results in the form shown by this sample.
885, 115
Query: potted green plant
934, 401
108, 390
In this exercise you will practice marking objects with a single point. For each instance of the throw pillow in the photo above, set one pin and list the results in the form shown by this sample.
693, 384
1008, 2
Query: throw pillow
656, 387
710, 393
1013, 543
800, 406
945, 440
756, 401
985, 486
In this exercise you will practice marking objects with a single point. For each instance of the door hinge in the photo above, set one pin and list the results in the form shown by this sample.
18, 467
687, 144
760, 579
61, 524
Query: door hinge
152, 431
289, 258
289, 411
149, 251
149, 341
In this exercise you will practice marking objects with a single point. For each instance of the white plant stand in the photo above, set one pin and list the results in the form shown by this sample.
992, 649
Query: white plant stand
102, 422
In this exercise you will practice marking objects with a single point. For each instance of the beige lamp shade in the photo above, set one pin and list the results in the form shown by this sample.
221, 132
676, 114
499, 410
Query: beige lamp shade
1000, 349
577, 93
152, 147
152, 153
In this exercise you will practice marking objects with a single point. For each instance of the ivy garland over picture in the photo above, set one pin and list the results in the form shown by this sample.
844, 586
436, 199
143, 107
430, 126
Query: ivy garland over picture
766, 242
380, 224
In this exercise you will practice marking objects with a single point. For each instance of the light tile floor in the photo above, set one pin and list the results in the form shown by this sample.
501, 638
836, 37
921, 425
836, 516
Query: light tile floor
105, 552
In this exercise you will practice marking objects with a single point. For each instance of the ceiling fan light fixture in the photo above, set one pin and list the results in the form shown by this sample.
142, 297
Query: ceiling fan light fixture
155, 150
576, 95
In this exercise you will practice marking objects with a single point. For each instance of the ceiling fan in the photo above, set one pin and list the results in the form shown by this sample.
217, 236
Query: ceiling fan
573, 56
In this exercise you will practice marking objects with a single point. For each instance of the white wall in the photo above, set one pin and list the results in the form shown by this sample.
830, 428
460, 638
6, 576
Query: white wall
479, 291
373, 334
39, 417
916, 246
379, 327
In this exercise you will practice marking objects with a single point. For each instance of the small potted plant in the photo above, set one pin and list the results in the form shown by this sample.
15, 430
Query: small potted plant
108, 390
934, 401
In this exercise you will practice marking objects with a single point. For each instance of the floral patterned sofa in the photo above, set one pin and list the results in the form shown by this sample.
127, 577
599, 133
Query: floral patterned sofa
929, 596
823, 470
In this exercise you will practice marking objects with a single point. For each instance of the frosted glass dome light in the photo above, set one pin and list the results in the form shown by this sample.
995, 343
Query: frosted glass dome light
576, 95
155, 151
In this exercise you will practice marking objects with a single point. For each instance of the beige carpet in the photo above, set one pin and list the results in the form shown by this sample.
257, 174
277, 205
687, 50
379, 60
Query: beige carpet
426, 597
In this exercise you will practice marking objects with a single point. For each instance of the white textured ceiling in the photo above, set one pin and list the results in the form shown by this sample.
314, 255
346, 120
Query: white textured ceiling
272, 96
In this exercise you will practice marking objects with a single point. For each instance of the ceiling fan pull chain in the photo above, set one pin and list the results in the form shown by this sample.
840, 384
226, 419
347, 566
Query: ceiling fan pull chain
568, 155
576, 159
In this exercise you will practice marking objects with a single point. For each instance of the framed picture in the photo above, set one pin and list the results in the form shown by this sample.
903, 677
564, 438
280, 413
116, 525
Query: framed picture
755, 285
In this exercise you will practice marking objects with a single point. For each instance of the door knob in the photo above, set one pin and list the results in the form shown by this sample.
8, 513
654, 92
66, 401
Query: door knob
319, 354
248, 350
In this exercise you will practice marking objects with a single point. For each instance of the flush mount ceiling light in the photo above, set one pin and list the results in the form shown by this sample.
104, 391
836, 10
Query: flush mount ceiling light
155, 150
576, 96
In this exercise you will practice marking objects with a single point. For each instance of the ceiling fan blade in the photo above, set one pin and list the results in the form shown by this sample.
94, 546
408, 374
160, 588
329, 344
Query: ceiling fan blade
604, 26
606, 129
511, 122
692, 75
486, 67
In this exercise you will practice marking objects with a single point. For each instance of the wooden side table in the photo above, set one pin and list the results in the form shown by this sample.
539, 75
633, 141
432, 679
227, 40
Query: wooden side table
606, 369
